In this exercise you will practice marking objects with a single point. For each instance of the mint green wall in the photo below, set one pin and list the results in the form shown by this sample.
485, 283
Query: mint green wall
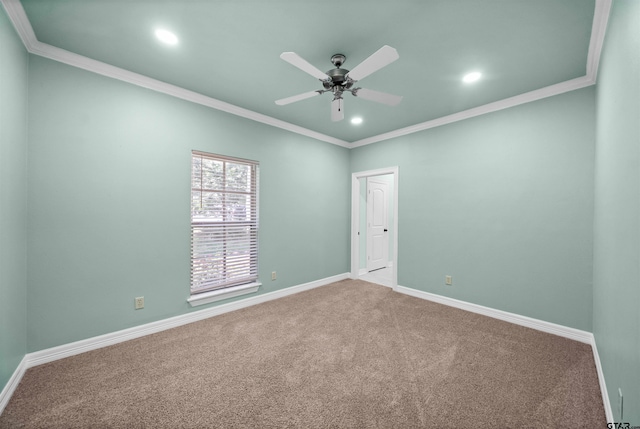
616, 299
503, 203
13, 188
109, 194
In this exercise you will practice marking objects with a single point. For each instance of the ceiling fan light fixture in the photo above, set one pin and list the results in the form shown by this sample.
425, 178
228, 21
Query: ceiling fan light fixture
166, 37
472, 77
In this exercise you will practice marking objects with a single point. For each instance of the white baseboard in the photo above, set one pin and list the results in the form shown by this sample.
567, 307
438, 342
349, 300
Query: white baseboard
77, 347
540, 325
11, 385
603, 385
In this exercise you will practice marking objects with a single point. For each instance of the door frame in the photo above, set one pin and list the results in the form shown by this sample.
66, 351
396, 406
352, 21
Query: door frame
355, 220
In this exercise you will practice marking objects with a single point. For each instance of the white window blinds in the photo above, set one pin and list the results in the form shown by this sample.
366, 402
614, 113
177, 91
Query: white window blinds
224, 222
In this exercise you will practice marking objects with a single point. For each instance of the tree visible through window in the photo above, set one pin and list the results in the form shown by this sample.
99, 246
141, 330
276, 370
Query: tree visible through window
224, 222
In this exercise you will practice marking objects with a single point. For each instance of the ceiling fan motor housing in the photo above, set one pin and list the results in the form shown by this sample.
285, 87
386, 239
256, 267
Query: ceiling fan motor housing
337, 76
338, 82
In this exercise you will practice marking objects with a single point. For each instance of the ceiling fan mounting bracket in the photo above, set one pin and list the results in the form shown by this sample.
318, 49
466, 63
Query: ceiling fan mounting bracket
338, 59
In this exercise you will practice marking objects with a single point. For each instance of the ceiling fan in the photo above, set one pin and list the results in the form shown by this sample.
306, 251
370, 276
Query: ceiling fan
339, 80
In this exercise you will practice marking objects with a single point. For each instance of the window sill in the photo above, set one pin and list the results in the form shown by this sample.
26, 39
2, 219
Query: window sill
219, 295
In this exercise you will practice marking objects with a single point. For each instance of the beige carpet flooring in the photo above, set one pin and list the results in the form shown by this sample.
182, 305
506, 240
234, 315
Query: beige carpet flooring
347, 355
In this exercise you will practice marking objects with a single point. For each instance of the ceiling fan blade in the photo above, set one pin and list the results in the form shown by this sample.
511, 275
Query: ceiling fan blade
379, 97
337, 111
380, 58
296, 60
298, 97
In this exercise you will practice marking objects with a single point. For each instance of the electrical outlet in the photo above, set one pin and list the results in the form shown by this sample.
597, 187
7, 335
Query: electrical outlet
448, 281
273, 275
620, 404
139, 302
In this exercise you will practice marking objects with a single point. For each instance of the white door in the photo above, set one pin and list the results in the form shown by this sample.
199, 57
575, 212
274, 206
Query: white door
377, 224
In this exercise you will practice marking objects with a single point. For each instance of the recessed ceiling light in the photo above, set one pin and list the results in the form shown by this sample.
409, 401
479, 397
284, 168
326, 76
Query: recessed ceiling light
471, 77
356, 121
166, 37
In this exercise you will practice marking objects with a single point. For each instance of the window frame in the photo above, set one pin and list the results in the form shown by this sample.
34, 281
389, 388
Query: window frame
203, 230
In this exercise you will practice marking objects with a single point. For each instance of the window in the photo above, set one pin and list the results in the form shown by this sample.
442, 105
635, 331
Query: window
224, 227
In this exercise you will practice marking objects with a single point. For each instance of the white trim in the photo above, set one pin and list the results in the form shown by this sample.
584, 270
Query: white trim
598, 32
12, 384
538, 325
20, 21
506, 103
18, 17
362, 272
221, 294
529, 322
603, 385
60, 352
355, 220
77, 347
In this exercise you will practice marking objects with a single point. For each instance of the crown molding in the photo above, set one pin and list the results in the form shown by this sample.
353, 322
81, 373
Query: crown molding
22, 25
108, 70
598, 31
19, 19
538, 94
